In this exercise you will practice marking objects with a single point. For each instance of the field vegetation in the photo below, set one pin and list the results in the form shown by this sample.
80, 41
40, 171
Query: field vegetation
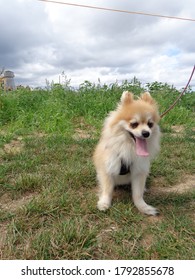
48, 182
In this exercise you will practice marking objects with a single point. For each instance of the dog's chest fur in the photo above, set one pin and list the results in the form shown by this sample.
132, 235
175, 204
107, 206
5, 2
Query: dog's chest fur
120, 154
122, 158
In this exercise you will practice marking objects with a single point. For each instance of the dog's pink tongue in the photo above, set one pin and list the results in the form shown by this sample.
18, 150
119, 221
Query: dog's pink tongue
141, 147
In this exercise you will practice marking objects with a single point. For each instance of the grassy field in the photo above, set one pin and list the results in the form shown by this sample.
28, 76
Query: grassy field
48, 182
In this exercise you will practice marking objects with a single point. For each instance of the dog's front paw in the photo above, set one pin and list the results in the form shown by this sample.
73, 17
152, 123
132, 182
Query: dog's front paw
149, 210
103, 204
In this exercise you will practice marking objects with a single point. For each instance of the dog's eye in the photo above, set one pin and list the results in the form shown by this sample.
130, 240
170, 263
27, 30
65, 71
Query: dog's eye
150, 124
134, 125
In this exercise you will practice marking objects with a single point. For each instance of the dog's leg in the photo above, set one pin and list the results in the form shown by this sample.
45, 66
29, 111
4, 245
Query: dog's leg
138, 187
106, 191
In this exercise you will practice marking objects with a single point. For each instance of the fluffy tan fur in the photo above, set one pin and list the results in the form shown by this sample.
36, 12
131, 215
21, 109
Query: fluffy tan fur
118, 159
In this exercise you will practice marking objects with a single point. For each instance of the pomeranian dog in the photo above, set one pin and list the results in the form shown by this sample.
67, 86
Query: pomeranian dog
130, 140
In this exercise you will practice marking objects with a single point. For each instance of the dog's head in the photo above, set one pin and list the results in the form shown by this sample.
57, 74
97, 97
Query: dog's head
139, 117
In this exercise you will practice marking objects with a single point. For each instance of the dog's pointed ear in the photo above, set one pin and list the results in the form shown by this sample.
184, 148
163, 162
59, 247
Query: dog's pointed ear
147, 98
127, 97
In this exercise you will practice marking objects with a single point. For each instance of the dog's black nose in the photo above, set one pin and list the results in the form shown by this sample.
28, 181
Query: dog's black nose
145, 133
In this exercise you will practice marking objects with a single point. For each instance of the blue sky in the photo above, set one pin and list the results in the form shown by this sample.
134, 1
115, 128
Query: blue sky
40, 40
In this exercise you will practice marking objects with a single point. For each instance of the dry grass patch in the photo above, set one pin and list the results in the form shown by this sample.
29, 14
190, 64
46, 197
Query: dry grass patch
16, 146
81, 134
187, 184
9, 204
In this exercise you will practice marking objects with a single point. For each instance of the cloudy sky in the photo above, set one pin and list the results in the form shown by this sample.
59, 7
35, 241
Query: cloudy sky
39, 40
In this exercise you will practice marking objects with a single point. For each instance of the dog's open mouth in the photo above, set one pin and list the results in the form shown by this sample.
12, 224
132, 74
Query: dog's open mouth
140, 145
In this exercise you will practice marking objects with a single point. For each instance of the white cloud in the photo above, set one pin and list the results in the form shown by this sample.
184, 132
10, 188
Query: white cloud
40, 40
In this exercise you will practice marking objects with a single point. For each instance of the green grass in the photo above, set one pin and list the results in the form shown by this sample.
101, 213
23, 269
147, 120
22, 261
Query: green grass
48, 182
